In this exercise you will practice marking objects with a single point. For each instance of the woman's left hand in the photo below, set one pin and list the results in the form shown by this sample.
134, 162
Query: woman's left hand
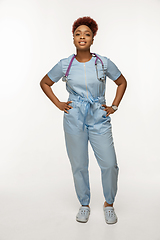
109, 110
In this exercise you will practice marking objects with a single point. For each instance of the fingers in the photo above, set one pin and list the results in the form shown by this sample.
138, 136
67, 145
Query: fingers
69, 102
109, 110
108, 114
103, 105
65, 111
67, 106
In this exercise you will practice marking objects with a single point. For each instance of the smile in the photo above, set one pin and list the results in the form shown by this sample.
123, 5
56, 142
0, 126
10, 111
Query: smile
82, 43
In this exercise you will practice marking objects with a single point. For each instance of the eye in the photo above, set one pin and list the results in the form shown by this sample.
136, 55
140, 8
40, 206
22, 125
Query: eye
88, 34
77, 34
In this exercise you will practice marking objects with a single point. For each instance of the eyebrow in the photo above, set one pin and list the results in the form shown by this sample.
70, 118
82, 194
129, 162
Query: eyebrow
84, 31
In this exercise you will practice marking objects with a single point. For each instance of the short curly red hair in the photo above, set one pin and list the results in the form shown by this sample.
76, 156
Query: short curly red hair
86, 21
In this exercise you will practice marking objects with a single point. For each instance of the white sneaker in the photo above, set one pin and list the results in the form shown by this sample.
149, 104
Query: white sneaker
110, 215
83, 214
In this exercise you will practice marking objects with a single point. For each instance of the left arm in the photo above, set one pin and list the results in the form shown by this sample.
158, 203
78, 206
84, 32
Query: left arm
122, 84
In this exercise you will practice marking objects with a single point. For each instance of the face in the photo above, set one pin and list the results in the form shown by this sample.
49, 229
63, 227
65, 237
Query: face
83, 37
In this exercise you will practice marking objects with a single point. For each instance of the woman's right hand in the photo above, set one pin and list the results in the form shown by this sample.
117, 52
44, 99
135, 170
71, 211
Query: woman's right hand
64, 106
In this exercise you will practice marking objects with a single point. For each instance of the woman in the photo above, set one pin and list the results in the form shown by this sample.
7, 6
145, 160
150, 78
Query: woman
86, 116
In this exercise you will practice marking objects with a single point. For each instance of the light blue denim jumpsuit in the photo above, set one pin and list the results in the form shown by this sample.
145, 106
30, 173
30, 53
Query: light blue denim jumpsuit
87, 121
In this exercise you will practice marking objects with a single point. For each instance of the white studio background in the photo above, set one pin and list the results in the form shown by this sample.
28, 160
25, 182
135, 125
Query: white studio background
36, 185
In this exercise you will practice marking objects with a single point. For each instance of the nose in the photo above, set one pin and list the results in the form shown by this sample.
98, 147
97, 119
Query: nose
82, 36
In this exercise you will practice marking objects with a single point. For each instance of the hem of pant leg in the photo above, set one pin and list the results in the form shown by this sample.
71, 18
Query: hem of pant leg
109, 202
85, 204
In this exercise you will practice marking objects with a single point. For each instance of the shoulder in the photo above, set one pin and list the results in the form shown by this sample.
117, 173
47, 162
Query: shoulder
104, 59
108, 63
65, 62
67, 59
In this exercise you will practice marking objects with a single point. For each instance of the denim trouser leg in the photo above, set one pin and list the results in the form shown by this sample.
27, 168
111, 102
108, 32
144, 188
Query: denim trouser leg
77, 150
104, 151
103, 147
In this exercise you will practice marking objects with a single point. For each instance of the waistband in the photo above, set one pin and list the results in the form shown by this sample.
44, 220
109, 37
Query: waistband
90, 99
78, 100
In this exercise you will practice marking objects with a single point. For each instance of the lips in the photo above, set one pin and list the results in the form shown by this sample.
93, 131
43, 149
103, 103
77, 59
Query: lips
82, 42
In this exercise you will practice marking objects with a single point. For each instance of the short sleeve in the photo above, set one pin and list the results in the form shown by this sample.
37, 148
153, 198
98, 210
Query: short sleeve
112, 70
56, 72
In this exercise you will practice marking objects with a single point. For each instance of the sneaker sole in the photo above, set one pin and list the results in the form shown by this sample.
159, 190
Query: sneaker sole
81, 221
111, 222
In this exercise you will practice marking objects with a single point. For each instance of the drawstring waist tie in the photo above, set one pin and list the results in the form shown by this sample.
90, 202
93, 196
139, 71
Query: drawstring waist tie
85, 104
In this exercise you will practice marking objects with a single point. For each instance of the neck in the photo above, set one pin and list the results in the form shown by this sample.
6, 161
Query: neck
83, 55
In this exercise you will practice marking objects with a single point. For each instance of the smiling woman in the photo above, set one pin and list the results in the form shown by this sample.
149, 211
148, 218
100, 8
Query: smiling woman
82, 43
83, 37
86, 116
84, 29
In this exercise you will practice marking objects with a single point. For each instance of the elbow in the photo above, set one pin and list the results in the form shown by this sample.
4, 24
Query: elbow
40, 83
125, 84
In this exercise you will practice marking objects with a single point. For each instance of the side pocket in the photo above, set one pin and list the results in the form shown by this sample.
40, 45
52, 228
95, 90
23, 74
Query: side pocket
104, 113
70, 120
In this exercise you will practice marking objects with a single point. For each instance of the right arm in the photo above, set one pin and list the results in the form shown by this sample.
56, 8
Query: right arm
46, 84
